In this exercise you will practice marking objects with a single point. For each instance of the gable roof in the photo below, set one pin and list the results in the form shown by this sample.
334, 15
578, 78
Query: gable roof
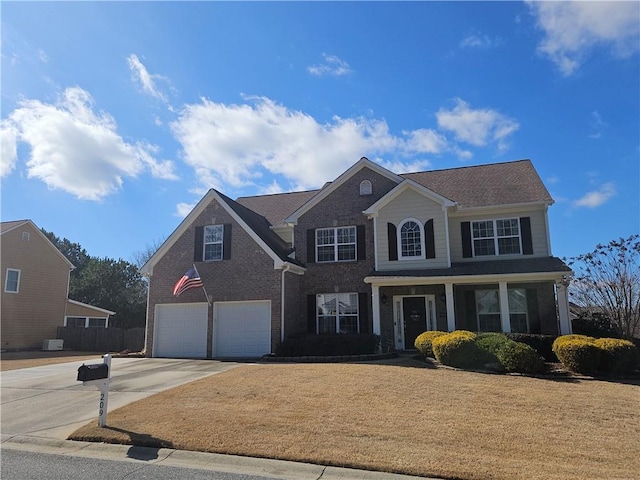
329, 188
254, 224
507, 183
408, 184
276, 207
6, 227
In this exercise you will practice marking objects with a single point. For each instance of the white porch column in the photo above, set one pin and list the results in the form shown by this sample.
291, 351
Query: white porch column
504, 308
375, 300
563, 309
451, 314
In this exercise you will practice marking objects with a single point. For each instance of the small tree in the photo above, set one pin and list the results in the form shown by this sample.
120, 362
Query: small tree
607, 283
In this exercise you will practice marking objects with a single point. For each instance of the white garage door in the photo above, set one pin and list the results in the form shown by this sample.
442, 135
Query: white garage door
180, 330
242, 329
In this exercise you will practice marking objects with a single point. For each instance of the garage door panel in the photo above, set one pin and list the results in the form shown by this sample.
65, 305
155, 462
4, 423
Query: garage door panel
242, 329
180, 330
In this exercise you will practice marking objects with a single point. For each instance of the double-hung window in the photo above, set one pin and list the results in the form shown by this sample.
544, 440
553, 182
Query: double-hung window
337, 313
12, 281
213, 242
496, 237
488, 310
336, 244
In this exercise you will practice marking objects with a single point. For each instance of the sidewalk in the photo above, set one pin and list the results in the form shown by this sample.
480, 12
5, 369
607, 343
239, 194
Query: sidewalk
276, 469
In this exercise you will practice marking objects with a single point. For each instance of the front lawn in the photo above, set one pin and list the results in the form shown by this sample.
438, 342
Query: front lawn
397, 417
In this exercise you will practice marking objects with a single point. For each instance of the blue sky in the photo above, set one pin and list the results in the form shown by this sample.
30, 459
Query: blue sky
118, 116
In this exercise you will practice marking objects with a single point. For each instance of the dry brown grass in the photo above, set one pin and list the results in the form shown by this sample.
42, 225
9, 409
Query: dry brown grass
430, 422
28, 359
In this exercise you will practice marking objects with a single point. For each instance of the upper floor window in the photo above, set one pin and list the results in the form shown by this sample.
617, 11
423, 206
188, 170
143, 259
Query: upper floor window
12, 281
496, 237
336, 244
365, 187
411, 235
213, 242
337, 313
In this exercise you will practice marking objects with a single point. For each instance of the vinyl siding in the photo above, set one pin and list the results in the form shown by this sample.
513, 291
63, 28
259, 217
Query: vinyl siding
411, 204
34, 313
538, 232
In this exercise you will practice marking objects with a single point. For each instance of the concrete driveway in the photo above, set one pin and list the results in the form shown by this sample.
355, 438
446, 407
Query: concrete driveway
48, 402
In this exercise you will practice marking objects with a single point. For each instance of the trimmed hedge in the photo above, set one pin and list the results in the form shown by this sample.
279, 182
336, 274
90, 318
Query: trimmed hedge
328, 345
424, 340
520, 357
459, 349
578, 354
543, 344
617, 356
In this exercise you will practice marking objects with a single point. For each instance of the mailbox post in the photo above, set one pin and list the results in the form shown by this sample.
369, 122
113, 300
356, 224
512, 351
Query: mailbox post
98, 374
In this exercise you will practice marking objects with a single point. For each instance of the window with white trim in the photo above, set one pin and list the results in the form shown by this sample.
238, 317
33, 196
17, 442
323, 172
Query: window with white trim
410, 239
336, 244
85, 322
12, 281
488, 310
337, 313
213, 241
365, 187
496, 237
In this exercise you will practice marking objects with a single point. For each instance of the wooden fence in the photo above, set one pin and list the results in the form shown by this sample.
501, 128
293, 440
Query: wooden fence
102, 339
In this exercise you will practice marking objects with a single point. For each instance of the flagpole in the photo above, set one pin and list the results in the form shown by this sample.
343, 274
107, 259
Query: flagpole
204, 289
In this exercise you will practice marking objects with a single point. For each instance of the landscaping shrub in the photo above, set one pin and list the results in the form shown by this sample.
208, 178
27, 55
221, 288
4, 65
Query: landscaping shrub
423, 342
459, 349
520, 357
543, 344
617, 356
492, 342
578, 353
328, 345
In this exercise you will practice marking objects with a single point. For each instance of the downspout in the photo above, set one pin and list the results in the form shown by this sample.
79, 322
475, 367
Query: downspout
286, 268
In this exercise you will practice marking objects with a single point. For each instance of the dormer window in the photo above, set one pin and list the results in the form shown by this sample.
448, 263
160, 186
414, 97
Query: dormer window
365, 187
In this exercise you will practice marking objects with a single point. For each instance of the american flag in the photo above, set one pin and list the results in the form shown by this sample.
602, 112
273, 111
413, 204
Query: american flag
191, 279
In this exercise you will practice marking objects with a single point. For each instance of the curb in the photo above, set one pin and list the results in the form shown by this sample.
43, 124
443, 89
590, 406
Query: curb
331, 359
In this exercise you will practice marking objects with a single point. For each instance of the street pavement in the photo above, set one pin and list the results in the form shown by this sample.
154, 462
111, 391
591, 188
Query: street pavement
42, 406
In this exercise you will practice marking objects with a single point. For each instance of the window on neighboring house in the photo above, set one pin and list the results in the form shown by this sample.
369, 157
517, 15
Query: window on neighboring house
75, 322
213, 241
496, 237
336, 244
337, 313
410, 233
488, 310
12, 281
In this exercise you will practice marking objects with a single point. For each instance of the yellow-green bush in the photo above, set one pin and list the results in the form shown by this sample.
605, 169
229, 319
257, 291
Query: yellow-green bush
423, 342
617, 356
520, 357
458, 349
579, 353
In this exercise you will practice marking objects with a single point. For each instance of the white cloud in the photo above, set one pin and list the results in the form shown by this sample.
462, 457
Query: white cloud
8, 148
144, 78
597, 125
481, 41
572, 29
477, 127
598, 197
183, 209
77, 150
42, 55
332, 66
234, 145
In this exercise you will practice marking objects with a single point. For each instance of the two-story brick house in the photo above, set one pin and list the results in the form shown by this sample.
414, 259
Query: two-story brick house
371, 252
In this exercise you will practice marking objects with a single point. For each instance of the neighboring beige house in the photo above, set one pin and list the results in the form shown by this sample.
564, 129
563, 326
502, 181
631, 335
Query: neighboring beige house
35, 288
371, 252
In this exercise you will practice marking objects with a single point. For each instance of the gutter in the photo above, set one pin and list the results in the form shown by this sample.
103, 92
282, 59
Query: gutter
286, 268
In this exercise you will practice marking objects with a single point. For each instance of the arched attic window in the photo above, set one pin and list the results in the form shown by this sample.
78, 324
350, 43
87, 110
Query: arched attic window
365, 187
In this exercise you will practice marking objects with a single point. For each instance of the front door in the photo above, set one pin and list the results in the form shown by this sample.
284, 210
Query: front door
415, 319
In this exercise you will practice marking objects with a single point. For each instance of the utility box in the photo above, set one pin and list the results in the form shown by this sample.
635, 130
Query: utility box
55, 344
95, 371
